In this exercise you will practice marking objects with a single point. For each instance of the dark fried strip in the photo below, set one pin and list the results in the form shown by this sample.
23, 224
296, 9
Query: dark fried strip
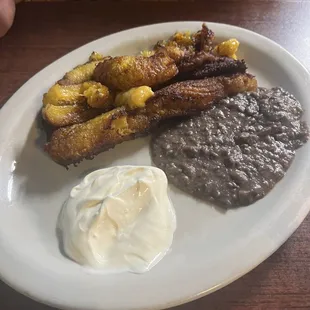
220, 67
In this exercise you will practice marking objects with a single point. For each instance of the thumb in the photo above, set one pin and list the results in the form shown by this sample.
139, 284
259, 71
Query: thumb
7, 12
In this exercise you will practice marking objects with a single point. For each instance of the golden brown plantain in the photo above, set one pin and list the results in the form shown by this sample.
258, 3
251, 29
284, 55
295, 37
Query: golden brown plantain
97, 95
74, 143
64, 95
80, 74
65, 105
125, 72
227, 48
65, 115
184, 44
204, 39
87, 139
173, 50
133, 98
195, 61
188, 97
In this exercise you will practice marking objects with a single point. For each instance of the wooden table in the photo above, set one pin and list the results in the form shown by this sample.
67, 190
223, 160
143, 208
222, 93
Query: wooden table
45, 31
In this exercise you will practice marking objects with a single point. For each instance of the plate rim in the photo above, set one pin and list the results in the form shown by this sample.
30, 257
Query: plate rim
8, 107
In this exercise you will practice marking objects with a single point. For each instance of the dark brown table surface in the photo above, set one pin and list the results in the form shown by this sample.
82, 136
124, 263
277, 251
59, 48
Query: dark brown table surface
43, 32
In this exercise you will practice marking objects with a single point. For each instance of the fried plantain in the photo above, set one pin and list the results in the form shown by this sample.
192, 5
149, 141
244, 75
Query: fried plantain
125, 72
184, 44
64, 95
65, 105
211, 68
222, 66
195, 61
80, 74
202, 65
134, 98
72, 144
59, 116
204, 39
97, 95
227, 48
172, 49
187, 97
87, 139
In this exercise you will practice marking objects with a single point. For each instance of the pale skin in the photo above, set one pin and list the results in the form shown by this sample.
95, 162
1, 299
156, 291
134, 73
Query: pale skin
7, 13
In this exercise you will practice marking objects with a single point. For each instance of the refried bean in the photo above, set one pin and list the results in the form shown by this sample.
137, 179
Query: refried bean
234, 153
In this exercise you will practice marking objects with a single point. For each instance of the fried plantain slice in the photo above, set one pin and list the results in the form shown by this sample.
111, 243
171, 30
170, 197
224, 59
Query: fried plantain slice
72, 144
204, 39
64, 95
82, 138
80, 74
65, 105
188, 97
173, 50
134, 98
219, 67
59, 116
125, 72
194, 61
97, 95
185, 44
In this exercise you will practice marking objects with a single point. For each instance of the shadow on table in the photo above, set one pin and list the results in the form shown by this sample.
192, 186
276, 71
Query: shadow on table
12, 300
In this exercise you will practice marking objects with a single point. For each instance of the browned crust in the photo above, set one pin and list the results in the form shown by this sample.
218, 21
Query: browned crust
72, 144
60, 116
194, 61
204, 39
202, 42
125, 72
220, 67
202, 65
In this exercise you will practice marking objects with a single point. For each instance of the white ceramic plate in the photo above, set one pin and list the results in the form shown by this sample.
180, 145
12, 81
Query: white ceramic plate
210, 249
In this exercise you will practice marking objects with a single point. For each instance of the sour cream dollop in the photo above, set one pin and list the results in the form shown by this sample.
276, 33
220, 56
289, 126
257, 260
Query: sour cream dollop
119, 219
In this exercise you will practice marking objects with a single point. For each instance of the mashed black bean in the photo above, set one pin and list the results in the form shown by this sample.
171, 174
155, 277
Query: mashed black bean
236, 152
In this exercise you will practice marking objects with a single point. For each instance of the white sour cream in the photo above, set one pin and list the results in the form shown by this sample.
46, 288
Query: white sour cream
119, 219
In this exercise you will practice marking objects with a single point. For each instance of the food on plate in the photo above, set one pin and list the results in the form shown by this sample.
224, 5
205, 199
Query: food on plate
81, 73
72, 144
125, 72
135, 97
227, 48
190, 97
171, 48
203, 39
97, 95
65, 105
220, 67
65, 115
184, 39
234, 153
183, 44
63, 95
194, 61
184, 56
119, 219
194, 68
